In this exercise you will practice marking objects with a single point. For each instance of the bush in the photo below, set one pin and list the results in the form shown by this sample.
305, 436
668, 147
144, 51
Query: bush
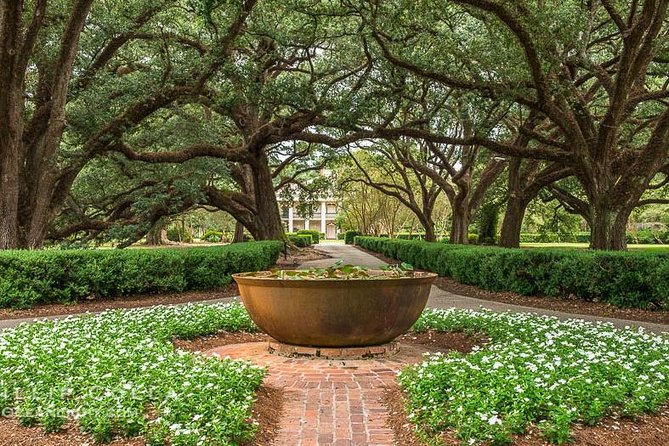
624, 279
410, 236
315, 235
300, 240
341, 236
349, 237
648, 237
488, 221
177, 234
212, 236
36, 277
582, 237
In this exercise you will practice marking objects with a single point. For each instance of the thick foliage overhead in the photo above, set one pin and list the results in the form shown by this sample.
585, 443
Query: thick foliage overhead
624, 279
35, 277
120, 376
536, 370
583, 85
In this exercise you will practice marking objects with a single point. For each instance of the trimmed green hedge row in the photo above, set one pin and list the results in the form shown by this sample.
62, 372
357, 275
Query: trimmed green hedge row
35, 277
300, 240
349, 237
623, 279
315, 235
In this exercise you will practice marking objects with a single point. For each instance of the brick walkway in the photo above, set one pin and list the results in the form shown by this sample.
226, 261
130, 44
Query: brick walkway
329, 402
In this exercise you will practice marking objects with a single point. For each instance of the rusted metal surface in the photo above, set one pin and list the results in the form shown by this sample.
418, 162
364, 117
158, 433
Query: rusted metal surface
335, 313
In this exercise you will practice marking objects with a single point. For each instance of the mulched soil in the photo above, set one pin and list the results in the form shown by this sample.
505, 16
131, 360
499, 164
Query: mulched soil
403, 429
147, 300
444, 341
206, 343
299, 256
138, 301
566, 305
11, 434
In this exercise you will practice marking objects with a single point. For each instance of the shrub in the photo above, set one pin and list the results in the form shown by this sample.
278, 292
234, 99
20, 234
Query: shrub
410, 236
341, 236
177, 234
582, 237
349, 237
488, 221
624, 279
212, 236
35, 277
315, 235
648, 237
300, 240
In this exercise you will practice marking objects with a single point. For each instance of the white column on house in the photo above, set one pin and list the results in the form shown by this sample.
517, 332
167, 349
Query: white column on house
323, 217
306, 223
290, 219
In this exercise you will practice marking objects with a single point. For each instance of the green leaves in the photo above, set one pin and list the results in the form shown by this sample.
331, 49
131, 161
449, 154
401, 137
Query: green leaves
624, 279
28, 278
117, 375
537, 370
340, 271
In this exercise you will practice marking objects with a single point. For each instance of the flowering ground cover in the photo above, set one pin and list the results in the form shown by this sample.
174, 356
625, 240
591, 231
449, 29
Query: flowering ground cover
117, 374
537, 370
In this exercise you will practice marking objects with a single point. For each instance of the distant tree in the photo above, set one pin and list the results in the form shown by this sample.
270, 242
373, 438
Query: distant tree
596, 71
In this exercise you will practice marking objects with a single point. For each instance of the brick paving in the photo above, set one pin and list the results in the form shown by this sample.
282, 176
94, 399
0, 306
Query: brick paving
329, 402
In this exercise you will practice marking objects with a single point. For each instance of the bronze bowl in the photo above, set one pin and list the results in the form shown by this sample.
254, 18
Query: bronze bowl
334, 312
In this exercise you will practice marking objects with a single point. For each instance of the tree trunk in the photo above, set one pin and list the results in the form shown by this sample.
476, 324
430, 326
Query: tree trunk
29, 195
9, 197
267, 219
157, 235
460, 226
608, 229
239, 233
513, 221
11, 122
430, 236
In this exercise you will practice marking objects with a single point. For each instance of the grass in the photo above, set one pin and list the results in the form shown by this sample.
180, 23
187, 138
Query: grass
537, 370
630, 247
117, 375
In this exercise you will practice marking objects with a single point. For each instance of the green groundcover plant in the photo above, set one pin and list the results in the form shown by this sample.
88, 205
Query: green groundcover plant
28, 278
624, 279
117, 375
338, 271
536, 370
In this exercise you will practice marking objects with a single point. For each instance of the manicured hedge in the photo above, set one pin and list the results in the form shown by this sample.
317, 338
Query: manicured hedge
349, 237
624, 279
315, 235
300, 240
34, 277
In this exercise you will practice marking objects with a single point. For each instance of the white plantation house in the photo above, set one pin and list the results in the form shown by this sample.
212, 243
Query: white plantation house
322, 220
